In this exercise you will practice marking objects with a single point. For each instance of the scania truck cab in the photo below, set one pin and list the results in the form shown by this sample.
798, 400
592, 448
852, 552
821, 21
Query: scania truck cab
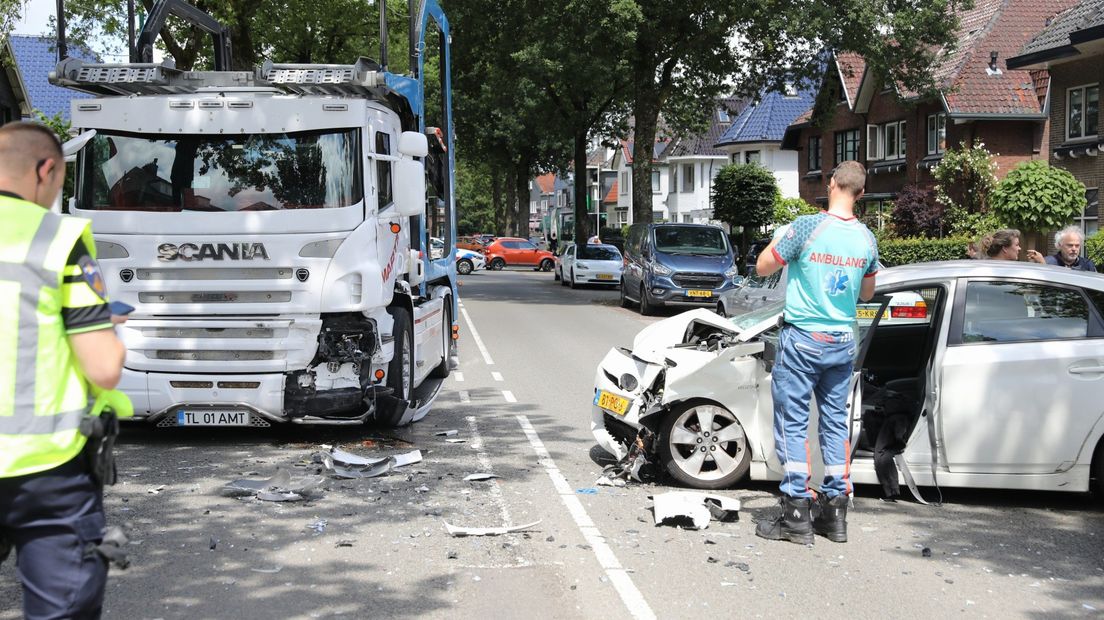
271, 229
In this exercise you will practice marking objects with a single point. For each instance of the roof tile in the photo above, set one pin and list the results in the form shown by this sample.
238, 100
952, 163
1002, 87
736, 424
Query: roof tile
766, 120
35, 58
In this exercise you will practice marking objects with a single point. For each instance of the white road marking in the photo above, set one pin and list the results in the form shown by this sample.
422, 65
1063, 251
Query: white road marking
464, 396
458, 376
476, 338
618, 576
509, 396
497, 376
485, 466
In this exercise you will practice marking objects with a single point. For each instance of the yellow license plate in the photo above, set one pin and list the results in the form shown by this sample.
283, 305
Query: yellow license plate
869, 313
611, 402
699, 293
605, 276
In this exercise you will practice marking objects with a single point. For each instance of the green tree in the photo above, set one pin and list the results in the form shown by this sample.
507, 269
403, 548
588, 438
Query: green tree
964, 183
1036, 196
474, 204
744, 196
60, 126
685, 54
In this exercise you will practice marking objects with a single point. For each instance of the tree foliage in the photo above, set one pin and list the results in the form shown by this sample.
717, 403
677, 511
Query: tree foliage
1036, 196
1094, 249
744, 196
787, 210
916, 213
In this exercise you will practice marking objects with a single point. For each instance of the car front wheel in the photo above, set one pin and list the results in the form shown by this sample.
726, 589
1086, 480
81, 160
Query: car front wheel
702, 445
464, 267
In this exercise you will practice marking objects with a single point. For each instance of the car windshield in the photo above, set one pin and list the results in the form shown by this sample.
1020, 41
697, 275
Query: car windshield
699, 240
598, 252
750, 319
263, 172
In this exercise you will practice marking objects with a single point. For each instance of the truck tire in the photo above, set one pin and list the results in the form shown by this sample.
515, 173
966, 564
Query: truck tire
402, 383
447, 343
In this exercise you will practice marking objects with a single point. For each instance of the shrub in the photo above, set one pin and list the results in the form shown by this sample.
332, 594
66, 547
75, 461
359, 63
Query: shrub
917, 214
787, 210
964, 179
1094, 249
1037, 196
921, 250
744, 196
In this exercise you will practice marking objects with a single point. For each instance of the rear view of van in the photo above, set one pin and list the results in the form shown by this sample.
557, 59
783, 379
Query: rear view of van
676, 265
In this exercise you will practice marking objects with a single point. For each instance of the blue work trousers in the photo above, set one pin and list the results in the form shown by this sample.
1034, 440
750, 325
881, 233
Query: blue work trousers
810, 363
53, 519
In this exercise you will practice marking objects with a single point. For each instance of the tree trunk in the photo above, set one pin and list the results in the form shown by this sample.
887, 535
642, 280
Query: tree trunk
511, 203
582, 221
499, 209
646, 114
524, 192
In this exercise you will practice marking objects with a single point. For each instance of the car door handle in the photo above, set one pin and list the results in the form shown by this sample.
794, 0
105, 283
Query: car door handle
1086, 370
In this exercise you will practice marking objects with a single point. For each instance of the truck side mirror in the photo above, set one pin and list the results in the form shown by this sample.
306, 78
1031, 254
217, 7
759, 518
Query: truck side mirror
413, 144
409, 185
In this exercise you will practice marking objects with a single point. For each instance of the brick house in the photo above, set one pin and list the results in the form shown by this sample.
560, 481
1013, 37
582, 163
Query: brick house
900, 136
1071, 49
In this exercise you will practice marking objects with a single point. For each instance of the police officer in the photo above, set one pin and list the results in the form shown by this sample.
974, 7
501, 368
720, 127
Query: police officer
56, 346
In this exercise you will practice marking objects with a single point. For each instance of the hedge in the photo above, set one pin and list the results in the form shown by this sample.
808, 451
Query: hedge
921, 250
1094, 249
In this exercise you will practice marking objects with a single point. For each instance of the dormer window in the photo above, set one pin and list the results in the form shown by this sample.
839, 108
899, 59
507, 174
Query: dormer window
789, 89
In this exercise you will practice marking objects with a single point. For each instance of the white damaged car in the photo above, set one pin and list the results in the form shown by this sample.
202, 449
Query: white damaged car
1002, 364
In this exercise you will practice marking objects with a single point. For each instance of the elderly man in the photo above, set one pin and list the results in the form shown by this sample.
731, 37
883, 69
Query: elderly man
1068, 242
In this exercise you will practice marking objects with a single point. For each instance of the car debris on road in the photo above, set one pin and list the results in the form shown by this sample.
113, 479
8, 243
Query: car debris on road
487, 531
693, 510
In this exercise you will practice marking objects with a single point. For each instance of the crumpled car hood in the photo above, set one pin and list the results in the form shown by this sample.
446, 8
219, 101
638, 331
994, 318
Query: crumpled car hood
653, 340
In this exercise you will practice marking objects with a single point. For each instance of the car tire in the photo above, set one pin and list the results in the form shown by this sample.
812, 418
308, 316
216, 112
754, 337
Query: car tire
448, 345
556, 275
546, 265
571, 280
390, 411
681, 439
497, 264
1097, 473
720, 310
646, 307
464, 266
625, 303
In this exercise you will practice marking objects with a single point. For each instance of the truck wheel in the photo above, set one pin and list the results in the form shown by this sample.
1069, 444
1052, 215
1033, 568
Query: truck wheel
546, 265
497, 264
464, 266
400, 370
447, 343
703, 446
646, 307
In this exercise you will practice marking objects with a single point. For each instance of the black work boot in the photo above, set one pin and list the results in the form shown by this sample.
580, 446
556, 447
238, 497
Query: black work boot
830, 518
794, 524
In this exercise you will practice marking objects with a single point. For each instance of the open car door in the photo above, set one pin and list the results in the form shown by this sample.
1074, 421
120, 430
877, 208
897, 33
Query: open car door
865, 333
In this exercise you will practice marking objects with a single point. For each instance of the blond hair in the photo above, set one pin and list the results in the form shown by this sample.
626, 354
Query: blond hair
850, 176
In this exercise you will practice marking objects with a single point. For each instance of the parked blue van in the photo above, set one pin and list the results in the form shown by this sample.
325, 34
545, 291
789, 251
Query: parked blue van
677, 265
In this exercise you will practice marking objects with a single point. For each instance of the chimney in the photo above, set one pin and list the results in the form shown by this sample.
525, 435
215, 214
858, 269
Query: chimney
993, 69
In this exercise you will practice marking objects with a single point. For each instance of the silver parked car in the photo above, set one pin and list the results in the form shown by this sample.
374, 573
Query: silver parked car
1002, 363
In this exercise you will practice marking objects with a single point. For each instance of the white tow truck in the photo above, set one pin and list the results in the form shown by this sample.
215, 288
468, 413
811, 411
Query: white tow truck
271, 228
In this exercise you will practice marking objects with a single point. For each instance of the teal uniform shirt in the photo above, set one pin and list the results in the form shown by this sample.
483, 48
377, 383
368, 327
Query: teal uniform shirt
827, 257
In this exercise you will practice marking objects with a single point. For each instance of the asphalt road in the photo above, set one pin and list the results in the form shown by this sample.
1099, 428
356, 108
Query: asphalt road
378, 548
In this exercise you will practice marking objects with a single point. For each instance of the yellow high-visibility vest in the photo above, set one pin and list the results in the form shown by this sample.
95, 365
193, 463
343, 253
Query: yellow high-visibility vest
43, 395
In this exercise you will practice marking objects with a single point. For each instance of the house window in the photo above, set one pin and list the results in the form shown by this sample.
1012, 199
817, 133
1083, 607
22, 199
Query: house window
722, 115
655, 181
688, 177
847, 145
624, 188
1082, 111
1089, 219
814, 153
873, 142
686, 219
657, 216
622, 217
736, 158
902, 152
751, 157
937, 133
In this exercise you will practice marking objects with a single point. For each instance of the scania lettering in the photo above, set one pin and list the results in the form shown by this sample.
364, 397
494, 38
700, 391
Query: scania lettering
211, 251
272, 227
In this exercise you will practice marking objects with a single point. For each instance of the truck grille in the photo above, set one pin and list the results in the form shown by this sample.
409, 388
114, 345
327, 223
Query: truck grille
216, 273
216, 297
698, 280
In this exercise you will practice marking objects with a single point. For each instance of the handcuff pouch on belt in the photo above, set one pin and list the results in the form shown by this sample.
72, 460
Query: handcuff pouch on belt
101, 431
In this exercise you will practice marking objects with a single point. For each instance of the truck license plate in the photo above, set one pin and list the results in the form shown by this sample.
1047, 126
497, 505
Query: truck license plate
611, 402
697, 293
202, 417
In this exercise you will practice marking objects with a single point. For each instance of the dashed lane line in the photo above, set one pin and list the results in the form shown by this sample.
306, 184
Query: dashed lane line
509, 396
497, 376
465, 397
476, 338
485, 465
618, 576
458, 377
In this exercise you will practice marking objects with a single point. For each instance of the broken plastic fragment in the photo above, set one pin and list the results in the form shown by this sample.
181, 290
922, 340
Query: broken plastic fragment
408, 458
454, 440
448, 433
318, 526
245, 486
605, 481
478, 477
371, 471
269, 571
487, 531
693, 510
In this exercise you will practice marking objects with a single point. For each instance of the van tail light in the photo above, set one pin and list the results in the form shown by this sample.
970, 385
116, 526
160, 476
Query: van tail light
909, 312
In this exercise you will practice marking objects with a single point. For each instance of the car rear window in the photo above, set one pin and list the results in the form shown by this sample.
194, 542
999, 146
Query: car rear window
599, 252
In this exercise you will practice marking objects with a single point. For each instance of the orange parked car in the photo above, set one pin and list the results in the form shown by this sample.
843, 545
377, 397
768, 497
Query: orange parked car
475, 244
517, 252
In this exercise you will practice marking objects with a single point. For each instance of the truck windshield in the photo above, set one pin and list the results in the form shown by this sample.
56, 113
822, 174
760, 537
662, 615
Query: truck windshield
698, 240
262, 172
